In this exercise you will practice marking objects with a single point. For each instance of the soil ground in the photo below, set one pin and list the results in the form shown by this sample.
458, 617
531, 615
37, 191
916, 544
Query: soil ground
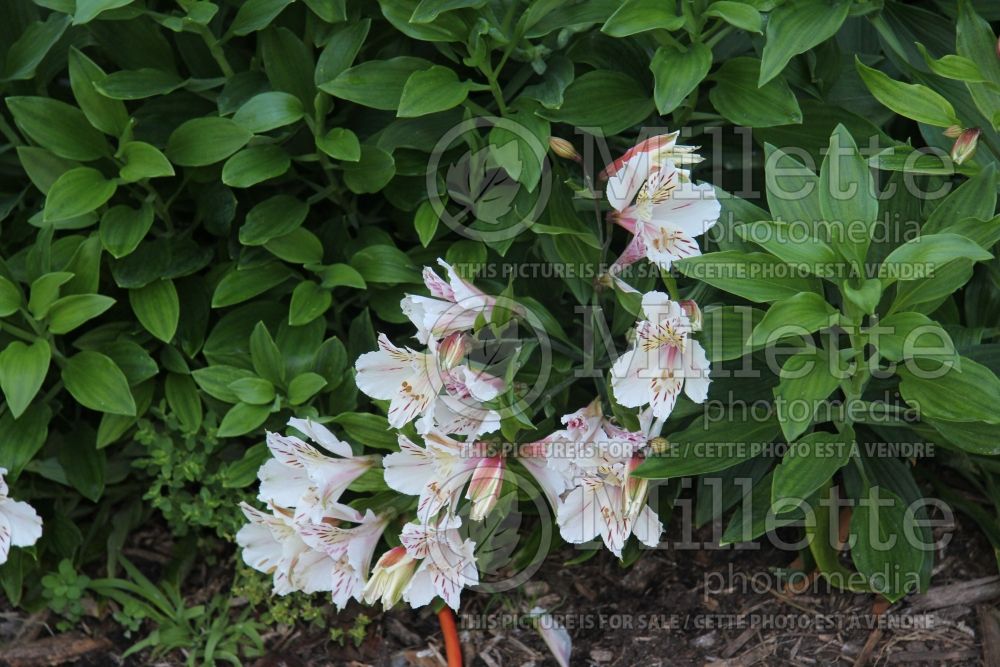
673, 607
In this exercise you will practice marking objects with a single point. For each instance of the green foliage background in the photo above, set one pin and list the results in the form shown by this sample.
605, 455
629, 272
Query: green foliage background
209, 209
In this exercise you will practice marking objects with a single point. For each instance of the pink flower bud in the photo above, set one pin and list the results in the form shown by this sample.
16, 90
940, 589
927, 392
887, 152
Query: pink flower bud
564, 149
693, 313
965, 145
484, 489
452, 350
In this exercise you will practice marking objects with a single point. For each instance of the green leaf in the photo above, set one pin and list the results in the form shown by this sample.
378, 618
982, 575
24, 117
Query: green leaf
59, 127
810, 463
243, 418
911, 100
909, 335
272, 218
799, 315
792, 243
255, 391
341, 275
740, 14
138, 84
107, 115
23, 437
85, 467
122, 228
847, 196
203, 141
31, 47
255, 15
71, 311
266, 356
431, 90
309, 301
305, 386
952, 66
77, 192
726, 329
372, 172
920, 257
87, 10
425, 222
215, 380
703, 448
143, 160
269, 111
182, 397
677, 73
965, 392
97, 383
755, 276
635, 16
605, 99
299, 246
428, 10
792, 192
807, 380
45, 290
796, 27
340, 144
158, 308
340, 51
385, 264
10, 297
22, 370
376, 83
255, 165
883, 527
737, 96
975, 198
368, 429
241, 284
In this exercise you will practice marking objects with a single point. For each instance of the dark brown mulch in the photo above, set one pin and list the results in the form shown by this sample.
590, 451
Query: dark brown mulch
674, 607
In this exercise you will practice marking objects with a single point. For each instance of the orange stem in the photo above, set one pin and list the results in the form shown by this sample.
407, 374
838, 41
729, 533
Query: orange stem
452, 647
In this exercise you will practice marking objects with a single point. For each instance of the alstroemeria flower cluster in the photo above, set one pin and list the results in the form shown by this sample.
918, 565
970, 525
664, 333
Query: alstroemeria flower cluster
436, 387
20, 525
654, 198
309, 539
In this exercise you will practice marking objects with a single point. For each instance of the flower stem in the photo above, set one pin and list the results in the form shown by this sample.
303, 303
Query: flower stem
452, 647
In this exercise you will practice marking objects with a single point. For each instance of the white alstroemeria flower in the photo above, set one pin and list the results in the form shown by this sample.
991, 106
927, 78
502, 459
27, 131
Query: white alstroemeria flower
447, 563
350, 549
656, 201
271, 544
438, 471
301, 476
606, 499
663, 359
454, 305
20, 525
430, 388
390, 577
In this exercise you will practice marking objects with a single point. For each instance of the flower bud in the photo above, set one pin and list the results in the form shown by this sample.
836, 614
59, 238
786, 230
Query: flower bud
452, 350
659, 445
564, 149
484, 489
952, 131
693, 313
390, 577
965, 145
